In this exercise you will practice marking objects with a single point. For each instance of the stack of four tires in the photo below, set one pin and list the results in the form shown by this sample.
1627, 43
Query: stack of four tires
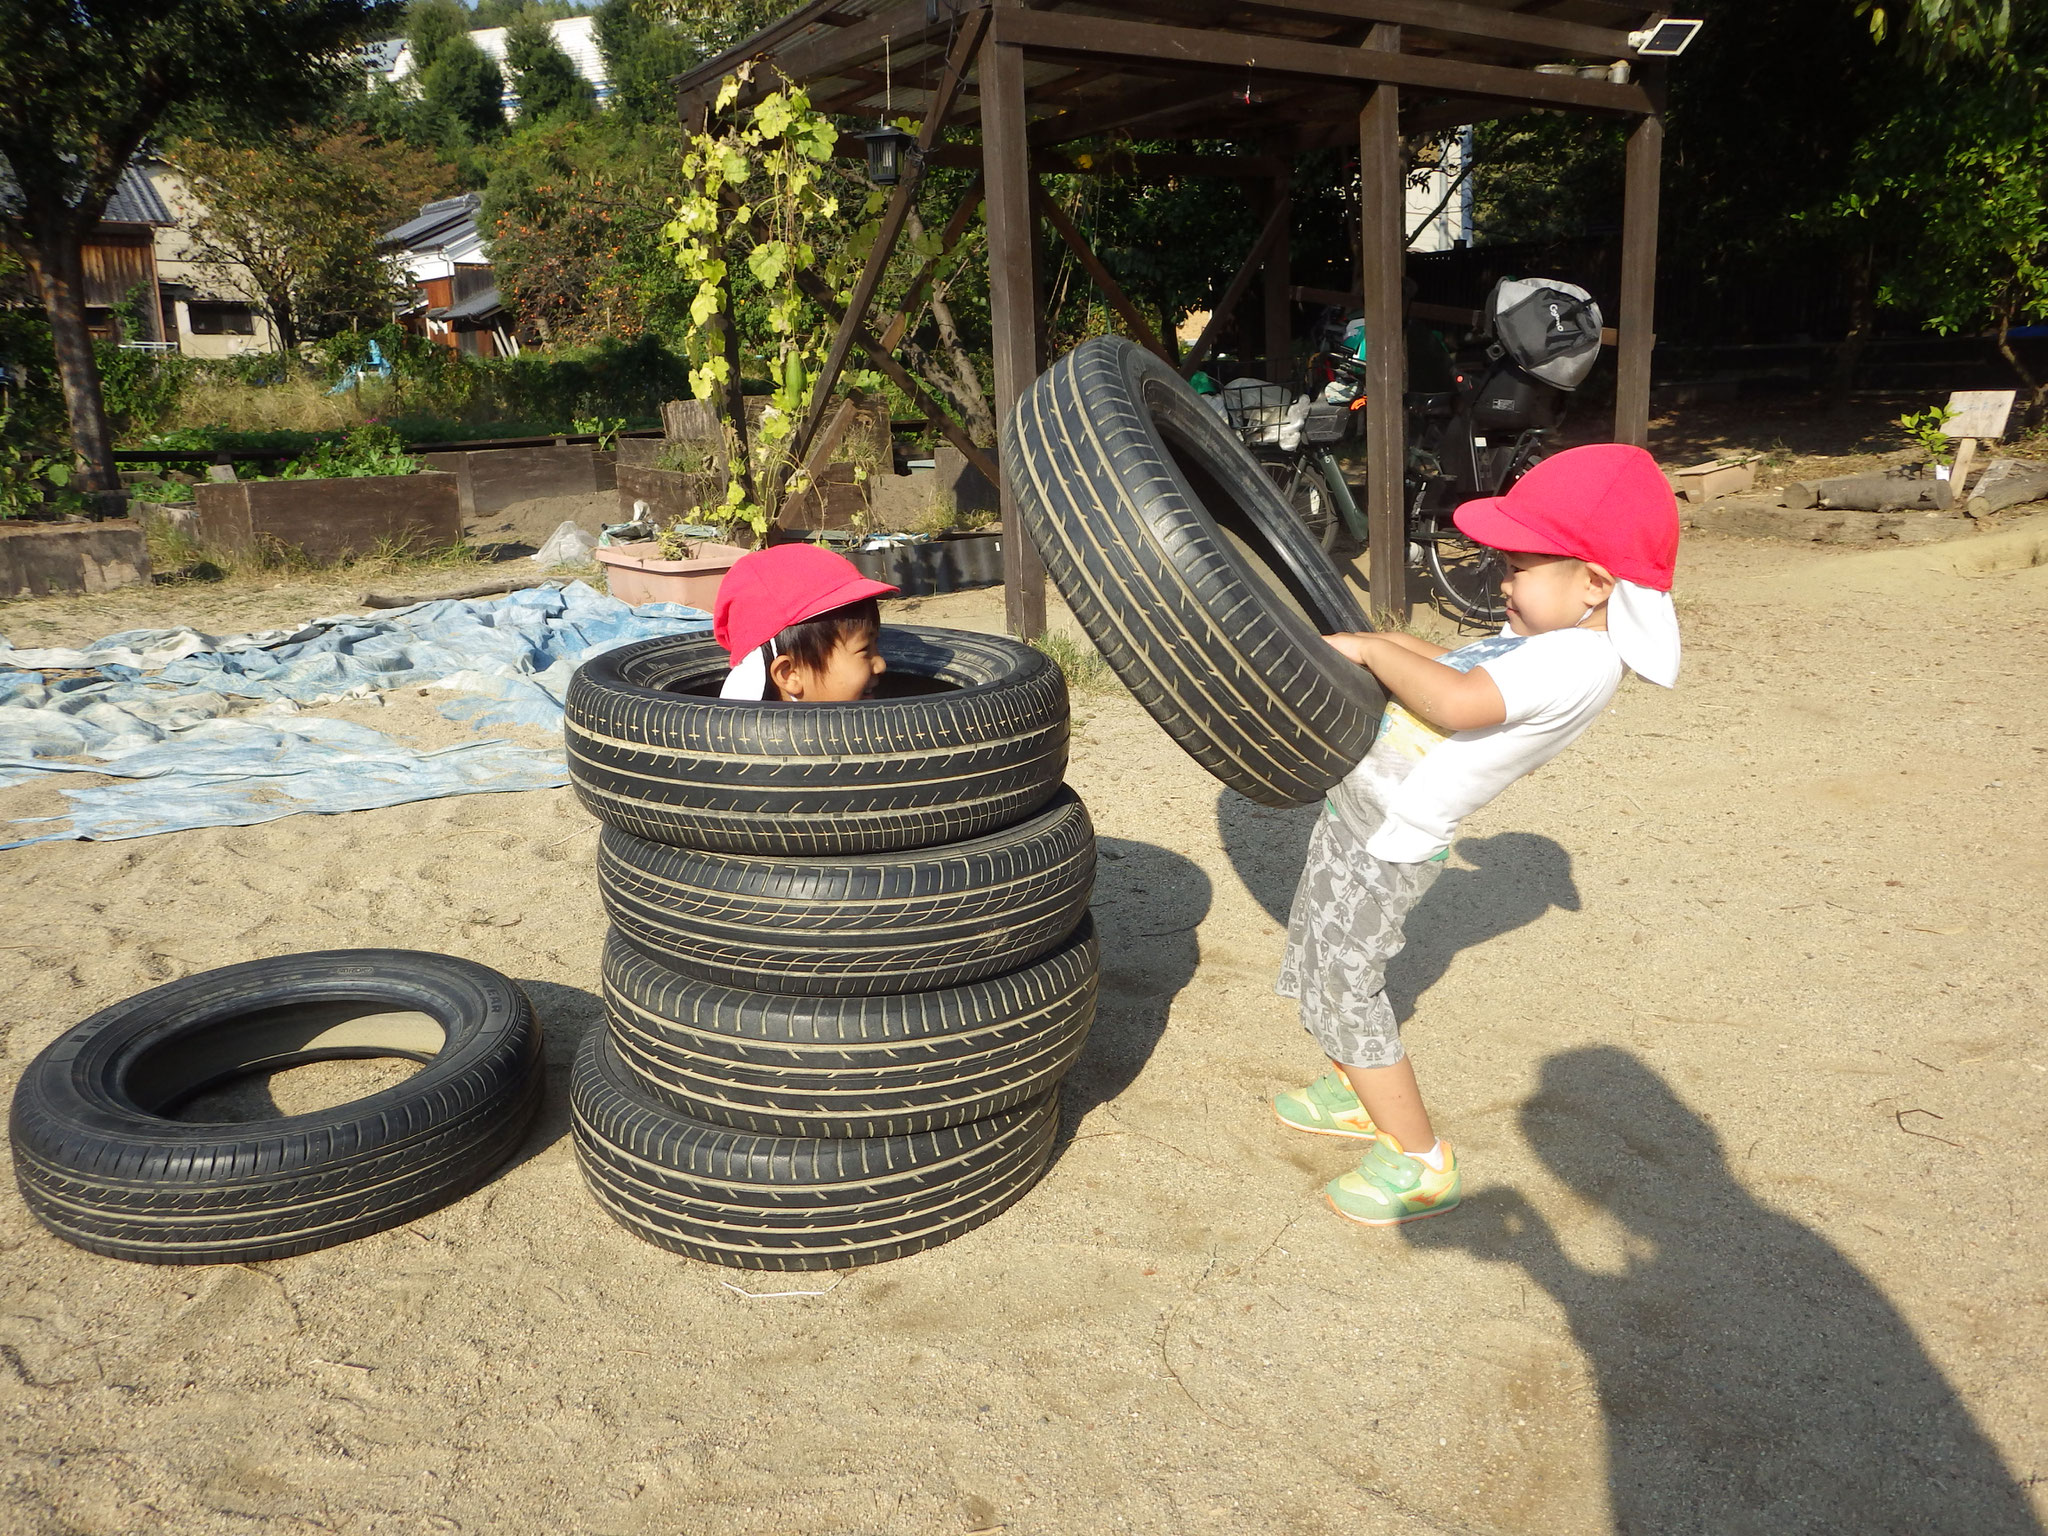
850, 958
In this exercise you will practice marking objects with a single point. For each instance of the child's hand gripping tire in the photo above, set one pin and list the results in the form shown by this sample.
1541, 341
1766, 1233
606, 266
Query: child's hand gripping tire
1197, 584
969, 736
856, 926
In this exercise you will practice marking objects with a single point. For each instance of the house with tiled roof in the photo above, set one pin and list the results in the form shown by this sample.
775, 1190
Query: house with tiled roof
457, 302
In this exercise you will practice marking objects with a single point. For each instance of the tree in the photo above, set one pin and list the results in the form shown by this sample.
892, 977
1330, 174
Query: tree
84, 82
641, 57
543, 77
466, 86
302, 215
430, 25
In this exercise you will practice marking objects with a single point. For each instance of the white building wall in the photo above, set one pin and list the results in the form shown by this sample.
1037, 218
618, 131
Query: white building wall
1452, 222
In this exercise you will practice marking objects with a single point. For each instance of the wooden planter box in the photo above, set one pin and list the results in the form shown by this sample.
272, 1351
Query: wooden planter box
330, 519
945, 564
37, 559
489, 480
636, 573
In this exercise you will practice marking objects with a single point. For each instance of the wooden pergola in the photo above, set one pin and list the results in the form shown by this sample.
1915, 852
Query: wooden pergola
1282, 76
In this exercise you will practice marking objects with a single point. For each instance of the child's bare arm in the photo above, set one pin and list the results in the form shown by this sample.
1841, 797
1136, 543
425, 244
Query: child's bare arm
1443, 696
1415, 643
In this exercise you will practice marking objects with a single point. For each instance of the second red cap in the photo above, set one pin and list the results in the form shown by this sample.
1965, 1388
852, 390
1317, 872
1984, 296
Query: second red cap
766, 592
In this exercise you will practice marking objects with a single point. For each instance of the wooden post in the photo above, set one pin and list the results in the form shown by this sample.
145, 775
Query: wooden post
1279, 305
1636, 324
1275, 227
1382, 244
1013, 307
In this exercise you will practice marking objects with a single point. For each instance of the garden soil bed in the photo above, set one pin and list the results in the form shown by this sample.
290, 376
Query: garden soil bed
328, 520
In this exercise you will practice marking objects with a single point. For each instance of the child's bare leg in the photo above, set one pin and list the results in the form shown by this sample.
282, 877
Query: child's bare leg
1391, 1097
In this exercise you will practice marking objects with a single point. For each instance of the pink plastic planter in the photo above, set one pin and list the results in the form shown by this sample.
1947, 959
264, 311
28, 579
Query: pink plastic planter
636, 574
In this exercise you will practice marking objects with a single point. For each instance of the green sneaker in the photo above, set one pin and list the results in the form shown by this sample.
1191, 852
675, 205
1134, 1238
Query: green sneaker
1327, 1107
1389, 1187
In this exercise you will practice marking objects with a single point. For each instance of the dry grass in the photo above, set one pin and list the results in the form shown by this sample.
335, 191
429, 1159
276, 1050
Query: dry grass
1084, 670
295, 405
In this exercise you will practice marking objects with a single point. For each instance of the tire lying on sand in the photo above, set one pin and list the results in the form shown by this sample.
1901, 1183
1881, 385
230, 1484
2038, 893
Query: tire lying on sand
969, 735
849, 1066
764, 1202
1184, 565
101, 1164
856, 926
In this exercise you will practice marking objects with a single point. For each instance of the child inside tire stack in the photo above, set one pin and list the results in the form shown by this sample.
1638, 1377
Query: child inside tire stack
816, 1059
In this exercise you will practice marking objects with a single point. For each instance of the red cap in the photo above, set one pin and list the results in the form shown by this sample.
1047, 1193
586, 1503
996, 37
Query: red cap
1606, 502
766, 592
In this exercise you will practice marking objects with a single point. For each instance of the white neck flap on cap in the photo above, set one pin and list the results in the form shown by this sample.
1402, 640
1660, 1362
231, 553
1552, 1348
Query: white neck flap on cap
749, 679
1643, 625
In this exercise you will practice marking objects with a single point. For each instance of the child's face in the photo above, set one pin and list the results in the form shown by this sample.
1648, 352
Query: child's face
1547, 592
848, 673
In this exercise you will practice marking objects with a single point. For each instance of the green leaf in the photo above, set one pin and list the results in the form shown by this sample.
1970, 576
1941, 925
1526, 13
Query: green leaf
768, 261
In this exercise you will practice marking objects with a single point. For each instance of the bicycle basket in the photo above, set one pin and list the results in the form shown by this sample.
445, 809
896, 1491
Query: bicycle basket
1326, 423
1256, 411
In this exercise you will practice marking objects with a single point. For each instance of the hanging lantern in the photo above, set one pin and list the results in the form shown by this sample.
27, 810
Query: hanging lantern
887, 147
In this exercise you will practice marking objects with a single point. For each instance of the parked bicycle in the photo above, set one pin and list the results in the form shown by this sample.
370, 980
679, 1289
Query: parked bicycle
1474, 438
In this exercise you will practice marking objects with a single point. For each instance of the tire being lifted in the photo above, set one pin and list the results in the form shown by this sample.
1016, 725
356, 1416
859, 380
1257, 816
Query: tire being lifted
849, 1066
101, 1165
970, 735
1199, 587
856, 926
766, 1202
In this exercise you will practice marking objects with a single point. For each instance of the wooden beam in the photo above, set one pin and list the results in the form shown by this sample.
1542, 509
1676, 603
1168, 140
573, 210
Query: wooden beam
835, 429
820, 293
1276, 223
1636, 322
1383, 245
1013, 306
1239, 54
901, 200
1140, 328
1053, 162
1564, 38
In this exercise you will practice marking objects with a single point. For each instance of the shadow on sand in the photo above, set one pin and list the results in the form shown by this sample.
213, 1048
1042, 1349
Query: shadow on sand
1753, 1379
1147, 904
1516, 878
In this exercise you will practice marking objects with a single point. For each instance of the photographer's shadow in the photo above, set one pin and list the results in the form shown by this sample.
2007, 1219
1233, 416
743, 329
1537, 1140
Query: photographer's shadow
1753, 1379
1516, 878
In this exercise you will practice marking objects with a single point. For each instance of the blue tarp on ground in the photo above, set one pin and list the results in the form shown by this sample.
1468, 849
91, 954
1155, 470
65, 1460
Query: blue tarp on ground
166, 712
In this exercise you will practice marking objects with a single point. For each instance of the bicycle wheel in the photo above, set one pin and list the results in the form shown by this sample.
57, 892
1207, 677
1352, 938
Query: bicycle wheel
1307, 498
1467, 576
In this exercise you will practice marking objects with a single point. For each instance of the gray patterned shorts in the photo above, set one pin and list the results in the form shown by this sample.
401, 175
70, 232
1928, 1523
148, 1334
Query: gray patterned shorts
1344, 928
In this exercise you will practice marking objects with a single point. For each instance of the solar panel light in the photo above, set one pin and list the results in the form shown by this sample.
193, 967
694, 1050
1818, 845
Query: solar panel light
886, 147
1666, 39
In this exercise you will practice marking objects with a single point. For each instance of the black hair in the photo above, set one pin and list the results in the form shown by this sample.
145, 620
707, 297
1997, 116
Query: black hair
811, 642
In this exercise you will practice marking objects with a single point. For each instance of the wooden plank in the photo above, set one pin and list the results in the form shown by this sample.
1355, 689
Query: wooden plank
1239, 54
901, 200
1636, 323
1140, 328
1276, 222
1382, 211
1013, 304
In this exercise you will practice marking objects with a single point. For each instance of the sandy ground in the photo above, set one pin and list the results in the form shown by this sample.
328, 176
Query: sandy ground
1734, 1014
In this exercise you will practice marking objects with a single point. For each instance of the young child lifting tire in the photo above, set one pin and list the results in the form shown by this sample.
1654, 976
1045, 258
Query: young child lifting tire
1591, 538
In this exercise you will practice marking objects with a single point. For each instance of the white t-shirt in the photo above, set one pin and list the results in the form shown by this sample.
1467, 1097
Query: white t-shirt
1417, 783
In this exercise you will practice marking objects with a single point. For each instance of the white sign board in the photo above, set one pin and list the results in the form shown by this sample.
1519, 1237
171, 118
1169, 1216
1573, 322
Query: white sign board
1978, 412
